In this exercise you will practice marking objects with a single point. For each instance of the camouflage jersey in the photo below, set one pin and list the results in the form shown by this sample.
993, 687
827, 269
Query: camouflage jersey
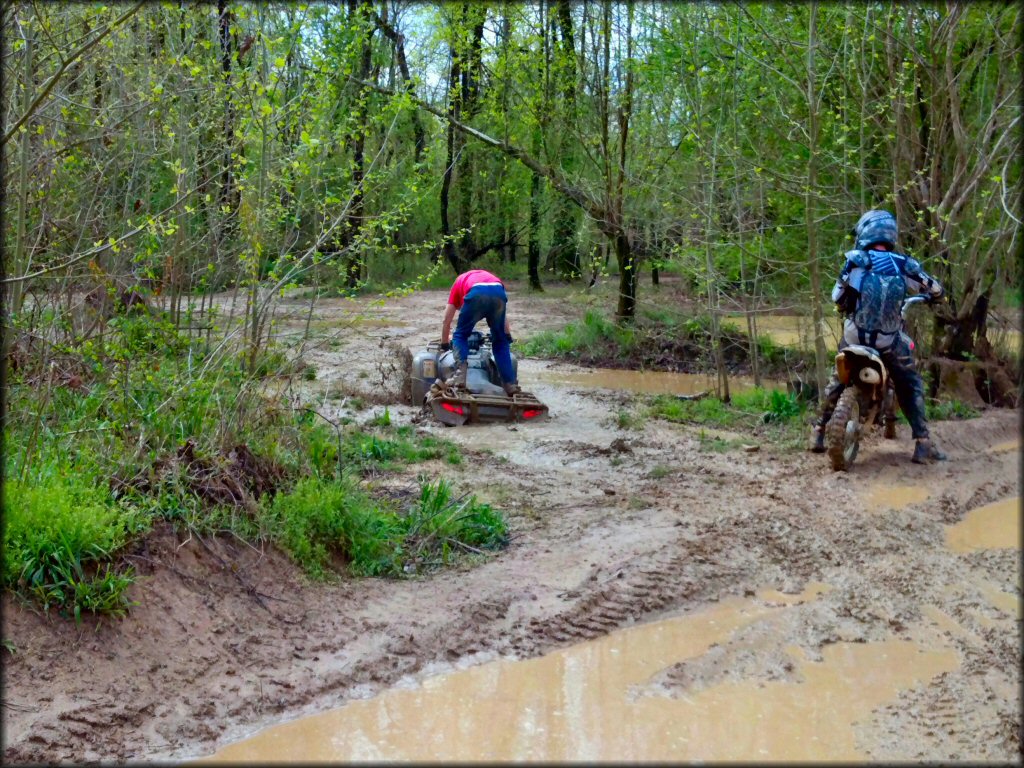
870, 292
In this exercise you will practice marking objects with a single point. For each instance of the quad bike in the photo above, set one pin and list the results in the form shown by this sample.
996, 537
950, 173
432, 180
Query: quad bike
483, 399
869, 398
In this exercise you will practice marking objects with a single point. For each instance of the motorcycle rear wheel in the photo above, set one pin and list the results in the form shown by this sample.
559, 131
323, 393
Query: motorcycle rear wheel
842, 435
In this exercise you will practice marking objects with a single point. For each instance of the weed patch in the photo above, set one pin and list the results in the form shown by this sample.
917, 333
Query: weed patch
943, 410
762, 413
319, 521
661, 340
61, 538
145, 422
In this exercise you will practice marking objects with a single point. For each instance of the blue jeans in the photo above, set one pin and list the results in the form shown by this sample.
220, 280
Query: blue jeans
485, 301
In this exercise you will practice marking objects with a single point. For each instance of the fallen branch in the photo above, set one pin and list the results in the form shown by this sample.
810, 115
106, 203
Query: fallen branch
698, 396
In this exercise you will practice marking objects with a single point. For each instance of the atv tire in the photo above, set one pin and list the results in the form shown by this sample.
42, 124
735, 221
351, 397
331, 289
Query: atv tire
842, 434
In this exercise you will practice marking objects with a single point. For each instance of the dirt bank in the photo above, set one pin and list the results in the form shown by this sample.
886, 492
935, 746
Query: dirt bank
610, 527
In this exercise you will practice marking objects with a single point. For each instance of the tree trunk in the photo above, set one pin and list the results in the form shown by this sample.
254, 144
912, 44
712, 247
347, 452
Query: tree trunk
229, 196
398, 41
564, 247
813, 266
358, 12
18, 263
533, 249
454, 141
626, 308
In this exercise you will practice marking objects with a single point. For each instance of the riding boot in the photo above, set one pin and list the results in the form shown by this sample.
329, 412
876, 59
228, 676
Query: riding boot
511, 389
459, 377
926, 450
817, 441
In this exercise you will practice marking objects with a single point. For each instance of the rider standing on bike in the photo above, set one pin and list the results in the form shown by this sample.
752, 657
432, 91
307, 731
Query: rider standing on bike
869, 294
479, 295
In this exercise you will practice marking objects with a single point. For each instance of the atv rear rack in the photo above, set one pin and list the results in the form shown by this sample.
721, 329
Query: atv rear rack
457, 407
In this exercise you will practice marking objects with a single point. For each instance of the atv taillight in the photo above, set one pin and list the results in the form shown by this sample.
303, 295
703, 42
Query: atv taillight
453, 408
529, 414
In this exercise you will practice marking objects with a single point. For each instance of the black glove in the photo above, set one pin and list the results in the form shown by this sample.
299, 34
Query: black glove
445, 346
511, 340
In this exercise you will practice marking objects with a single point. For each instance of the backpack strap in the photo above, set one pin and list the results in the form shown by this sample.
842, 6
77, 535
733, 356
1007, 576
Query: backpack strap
867, 338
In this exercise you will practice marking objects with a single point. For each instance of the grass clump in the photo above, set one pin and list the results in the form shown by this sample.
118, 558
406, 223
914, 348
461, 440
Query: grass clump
663, 340
61, 537
746, 409
769, 413
943, 410
323, 524
590, 336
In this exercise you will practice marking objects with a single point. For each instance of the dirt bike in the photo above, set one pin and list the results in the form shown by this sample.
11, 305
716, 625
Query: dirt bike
869, 398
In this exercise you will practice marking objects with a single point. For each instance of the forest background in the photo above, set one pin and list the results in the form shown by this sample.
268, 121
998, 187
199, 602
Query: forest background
156, 155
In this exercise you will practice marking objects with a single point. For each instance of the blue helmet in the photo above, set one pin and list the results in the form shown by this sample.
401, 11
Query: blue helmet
875, 226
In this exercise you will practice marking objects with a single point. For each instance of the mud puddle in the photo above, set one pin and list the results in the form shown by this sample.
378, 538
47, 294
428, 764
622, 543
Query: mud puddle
1009, 445
993, 526
894, 496
648, 382
595, 702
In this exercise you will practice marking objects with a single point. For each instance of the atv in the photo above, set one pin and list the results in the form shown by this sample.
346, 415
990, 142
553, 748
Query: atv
483, 399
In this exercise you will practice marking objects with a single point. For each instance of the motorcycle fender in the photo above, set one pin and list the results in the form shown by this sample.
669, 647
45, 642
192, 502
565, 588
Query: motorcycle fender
842, 369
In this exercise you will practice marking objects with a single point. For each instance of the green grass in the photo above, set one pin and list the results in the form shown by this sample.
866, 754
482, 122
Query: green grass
756, 411
943, 410
61, 541
593, 333
320, 522
100, 460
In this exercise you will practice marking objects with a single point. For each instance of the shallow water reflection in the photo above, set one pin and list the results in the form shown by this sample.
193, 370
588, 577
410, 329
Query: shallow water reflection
594, 702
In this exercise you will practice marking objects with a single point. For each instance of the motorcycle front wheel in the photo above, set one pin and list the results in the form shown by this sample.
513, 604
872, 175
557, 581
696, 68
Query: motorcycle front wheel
843, 432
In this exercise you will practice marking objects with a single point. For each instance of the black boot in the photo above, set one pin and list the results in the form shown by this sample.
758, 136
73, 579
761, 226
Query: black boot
925, 451
817, 441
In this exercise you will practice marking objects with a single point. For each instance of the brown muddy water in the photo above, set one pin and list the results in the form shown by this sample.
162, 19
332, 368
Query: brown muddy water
790, 330
993, 526
1009, 445
894, 496
649, 382
595, 702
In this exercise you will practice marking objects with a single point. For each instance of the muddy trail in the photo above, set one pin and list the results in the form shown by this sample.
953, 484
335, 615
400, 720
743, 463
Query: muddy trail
880, 606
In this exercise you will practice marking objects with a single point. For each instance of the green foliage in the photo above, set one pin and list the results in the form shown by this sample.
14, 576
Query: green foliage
942, 410
319, 518
771, 353
440, 524
594, 332
626, 419
746, 409
382, 419
319, 522
61, 531
783, 406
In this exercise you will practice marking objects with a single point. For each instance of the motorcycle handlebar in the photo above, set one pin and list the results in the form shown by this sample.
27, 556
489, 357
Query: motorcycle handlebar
908, 303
